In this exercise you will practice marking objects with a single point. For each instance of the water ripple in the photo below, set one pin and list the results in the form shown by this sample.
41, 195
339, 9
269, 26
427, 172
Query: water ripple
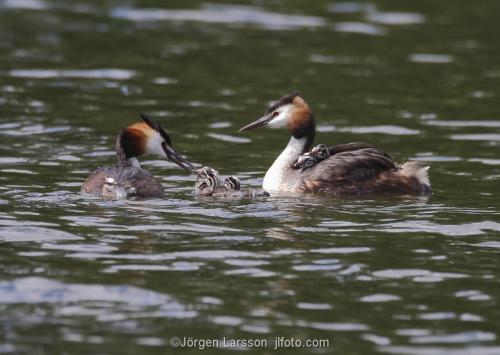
464, 337
179, 266
42, 290
222, 14
396, 18
334, 326
24, 4
34, 234
359, 27
114, 74
476, 137
342, 250
431, 58
386, 129
463, 123
417, 274
379, 297
474, 228
228, 138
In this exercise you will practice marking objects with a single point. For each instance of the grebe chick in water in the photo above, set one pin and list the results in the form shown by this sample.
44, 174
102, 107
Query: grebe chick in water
353, 168
210, 183
127, 178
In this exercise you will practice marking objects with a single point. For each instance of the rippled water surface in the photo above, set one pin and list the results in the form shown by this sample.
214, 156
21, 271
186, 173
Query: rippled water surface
396, 275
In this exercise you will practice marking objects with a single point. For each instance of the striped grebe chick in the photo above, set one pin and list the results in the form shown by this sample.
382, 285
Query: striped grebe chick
210, 183
305, 161
127, 178
308, 159
353, 168
320, 152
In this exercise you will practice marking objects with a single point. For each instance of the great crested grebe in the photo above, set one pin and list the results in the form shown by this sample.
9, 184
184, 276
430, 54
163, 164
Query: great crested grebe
127, 178
352, 168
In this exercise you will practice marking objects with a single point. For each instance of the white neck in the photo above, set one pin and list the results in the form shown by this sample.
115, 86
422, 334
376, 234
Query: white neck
274, 181
134, 162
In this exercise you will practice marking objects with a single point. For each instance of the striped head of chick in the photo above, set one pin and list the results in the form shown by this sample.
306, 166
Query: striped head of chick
207, 180
305, 161
320, 152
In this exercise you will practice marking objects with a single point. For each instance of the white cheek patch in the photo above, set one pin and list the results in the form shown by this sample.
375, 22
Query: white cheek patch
154, 144
280, 120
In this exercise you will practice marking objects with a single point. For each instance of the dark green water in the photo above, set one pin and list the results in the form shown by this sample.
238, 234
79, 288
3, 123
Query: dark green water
81, 275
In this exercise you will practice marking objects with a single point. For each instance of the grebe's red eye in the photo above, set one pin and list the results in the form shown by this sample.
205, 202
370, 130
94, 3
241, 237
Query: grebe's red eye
275, 113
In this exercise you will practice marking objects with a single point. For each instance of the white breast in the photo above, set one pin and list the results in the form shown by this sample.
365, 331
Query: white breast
274, 180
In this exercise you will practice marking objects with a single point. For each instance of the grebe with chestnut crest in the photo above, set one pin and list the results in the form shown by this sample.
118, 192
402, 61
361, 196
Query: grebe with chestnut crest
345, 169
127, 178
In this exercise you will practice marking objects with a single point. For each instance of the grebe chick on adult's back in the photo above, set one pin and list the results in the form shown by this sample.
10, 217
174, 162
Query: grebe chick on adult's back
346, 169
127, 178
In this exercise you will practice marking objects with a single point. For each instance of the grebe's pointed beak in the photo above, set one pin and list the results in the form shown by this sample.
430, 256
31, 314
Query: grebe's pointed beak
167, 146
178, 159
261, 122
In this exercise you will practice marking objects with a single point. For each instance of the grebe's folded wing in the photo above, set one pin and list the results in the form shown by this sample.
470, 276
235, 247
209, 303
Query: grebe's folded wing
139, 182
349, 147
148, 189
348, 165
93, 184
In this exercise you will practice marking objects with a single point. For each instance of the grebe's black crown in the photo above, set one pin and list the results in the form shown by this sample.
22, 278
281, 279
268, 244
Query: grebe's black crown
167, 145
157, 127
284, 100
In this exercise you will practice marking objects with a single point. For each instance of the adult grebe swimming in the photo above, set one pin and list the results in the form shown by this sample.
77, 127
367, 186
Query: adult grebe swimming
127, 178
353, 168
